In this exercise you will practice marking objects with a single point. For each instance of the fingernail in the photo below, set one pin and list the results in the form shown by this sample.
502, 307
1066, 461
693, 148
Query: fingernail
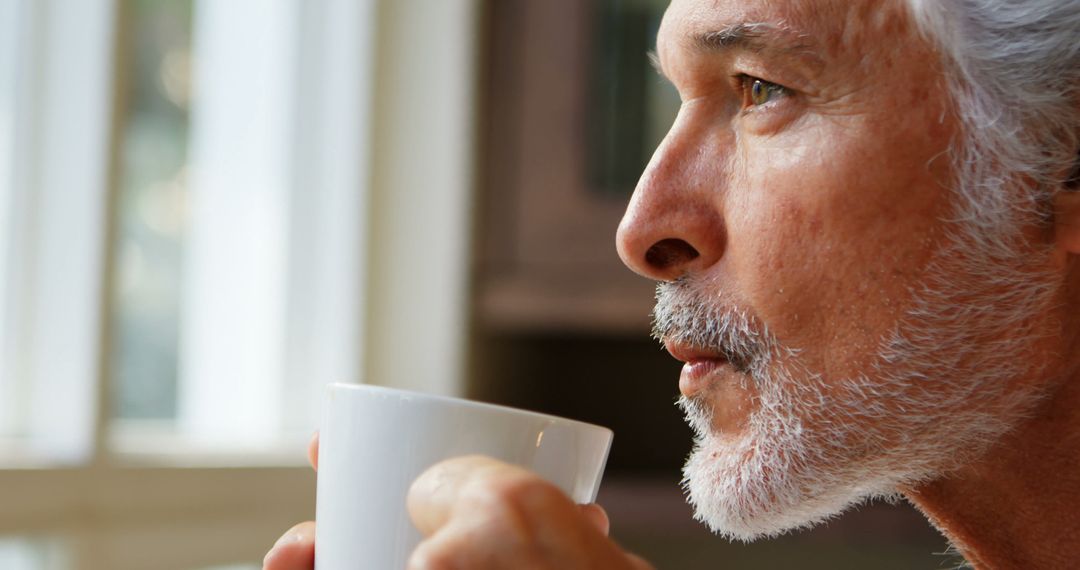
288, 538
269, 555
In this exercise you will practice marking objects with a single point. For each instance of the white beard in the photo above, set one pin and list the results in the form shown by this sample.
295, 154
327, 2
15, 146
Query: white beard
937, 395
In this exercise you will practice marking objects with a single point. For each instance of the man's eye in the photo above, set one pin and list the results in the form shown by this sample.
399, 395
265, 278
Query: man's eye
757, 92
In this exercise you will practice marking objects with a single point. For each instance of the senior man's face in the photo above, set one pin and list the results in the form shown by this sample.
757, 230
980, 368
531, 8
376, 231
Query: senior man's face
798, 217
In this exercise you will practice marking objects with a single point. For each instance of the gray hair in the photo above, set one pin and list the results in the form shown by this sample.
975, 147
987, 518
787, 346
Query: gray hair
1014, 72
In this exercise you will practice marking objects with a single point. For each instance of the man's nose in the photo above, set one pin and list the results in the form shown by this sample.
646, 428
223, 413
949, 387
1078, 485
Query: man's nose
674, 224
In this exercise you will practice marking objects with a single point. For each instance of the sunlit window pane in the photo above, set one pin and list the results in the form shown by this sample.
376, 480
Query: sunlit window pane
236, 272
200, 254
235, 276
9, 57
150, 209
20, 553
54, 66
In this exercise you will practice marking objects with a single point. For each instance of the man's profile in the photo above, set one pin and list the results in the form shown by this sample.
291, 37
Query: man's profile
865, 225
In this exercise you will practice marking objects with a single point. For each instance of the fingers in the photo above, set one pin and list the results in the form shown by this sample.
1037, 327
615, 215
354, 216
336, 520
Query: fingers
436, 493
597, 517
313, 451
295, 550
482, 514
442, 485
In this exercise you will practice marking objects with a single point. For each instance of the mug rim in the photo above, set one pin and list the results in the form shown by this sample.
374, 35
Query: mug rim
462, 402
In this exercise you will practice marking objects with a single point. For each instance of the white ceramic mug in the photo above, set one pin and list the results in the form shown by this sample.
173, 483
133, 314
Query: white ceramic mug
375, 441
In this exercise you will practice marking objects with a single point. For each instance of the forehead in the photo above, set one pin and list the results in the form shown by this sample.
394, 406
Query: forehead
829, 28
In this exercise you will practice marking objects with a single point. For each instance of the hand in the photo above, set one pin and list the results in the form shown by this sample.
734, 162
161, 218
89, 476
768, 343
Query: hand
295, 550
445, 508
478, 513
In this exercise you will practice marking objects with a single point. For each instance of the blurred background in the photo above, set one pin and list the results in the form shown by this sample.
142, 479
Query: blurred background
209, 210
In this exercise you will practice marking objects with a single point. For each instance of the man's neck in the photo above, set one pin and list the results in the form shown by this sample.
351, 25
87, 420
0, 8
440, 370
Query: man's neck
1018, 506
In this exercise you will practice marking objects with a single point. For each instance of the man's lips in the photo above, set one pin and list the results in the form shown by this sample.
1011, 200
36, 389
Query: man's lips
700, 366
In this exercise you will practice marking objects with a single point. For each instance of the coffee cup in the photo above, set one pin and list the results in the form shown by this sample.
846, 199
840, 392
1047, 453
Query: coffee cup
374, 442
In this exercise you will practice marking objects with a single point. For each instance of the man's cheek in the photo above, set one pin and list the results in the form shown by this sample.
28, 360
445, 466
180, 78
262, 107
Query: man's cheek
787, 289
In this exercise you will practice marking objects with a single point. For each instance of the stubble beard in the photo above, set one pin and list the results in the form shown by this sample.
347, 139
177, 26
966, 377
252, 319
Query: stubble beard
941, 389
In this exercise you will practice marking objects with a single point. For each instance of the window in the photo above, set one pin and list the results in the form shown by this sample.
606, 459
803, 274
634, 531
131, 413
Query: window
197, 228
50, 253
150, 206
207, 248
32, 554
9, 58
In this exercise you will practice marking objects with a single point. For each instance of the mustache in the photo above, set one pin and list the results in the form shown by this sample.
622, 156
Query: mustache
686, 315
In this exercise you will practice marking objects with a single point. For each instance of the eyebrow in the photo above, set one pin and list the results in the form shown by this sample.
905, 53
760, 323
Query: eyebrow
767, 38
753, 36
756, 37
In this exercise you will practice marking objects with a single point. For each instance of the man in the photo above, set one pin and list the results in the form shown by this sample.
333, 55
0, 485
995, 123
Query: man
866, 226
